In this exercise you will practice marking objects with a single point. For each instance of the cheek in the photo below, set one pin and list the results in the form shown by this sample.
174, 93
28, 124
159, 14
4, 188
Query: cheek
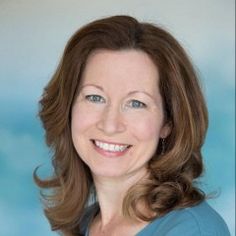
81, 119
146, 129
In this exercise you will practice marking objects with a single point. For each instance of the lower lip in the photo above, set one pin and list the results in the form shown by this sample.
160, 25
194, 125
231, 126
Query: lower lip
109, 153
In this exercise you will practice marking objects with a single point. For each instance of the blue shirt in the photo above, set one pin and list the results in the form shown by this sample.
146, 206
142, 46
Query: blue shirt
200, 220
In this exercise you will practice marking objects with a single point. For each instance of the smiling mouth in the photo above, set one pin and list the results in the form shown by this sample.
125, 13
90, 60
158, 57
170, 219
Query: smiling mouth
111, 147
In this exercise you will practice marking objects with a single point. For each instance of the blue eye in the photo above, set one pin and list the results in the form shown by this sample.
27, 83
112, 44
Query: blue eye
95, 98
137, 104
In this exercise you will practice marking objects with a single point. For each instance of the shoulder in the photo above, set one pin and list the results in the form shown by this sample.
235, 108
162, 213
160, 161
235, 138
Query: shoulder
207, 220
200, 220
89, 213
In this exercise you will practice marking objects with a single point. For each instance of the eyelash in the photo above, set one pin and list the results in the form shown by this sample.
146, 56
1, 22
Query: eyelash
141, 104
95, 98
136, 104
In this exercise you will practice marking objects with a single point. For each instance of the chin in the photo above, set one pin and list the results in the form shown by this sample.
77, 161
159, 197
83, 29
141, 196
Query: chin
107, 173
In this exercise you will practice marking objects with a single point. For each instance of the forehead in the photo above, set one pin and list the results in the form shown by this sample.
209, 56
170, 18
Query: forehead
123, 66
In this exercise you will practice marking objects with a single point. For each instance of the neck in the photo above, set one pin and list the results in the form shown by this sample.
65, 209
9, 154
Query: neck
111, 193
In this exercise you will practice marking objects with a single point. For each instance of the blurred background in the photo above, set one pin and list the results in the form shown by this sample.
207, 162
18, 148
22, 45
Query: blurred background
32, 38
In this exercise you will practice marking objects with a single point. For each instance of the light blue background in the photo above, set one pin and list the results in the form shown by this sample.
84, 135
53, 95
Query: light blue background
32, 37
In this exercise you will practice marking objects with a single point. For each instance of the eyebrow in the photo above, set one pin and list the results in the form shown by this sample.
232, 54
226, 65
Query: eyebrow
141, 91
130, 93
93, 85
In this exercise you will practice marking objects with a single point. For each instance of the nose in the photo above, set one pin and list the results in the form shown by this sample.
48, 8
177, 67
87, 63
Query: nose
111, 121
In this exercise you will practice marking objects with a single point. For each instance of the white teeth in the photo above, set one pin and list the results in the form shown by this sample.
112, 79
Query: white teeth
110, 147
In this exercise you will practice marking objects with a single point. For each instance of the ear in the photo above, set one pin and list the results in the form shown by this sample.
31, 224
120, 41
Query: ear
165, 130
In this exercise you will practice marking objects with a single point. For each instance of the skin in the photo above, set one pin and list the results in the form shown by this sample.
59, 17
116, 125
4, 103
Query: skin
119, 103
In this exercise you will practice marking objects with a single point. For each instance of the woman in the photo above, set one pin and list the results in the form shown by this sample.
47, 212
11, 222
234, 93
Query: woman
126, 119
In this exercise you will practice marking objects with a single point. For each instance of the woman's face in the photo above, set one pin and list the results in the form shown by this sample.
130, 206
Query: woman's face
118, 118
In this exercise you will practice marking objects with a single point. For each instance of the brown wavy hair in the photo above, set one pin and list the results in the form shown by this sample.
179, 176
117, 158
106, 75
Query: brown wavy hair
172, 181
